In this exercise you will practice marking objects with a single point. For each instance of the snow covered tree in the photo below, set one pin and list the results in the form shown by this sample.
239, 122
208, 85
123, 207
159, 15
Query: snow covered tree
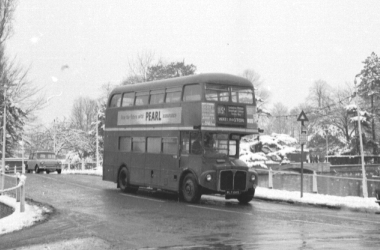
369, 88
161, 70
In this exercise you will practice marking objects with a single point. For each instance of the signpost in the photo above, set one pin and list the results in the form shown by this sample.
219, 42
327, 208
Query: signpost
303, 139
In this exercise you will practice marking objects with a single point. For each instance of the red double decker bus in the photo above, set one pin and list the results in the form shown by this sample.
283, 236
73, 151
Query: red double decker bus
181, 135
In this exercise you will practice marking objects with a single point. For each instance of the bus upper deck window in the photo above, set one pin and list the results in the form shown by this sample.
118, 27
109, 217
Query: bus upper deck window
157, 96
192, 93
115, 101
173, 95
242, 95
216, 92
142, 98
128, 99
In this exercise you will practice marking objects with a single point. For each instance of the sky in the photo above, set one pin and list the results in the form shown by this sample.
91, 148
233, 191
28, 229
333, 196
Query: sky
74, 47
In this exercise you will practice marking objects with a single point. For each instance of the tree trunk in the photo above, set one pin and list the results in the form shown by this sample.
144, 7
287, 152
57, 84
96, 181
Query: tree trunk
373, 127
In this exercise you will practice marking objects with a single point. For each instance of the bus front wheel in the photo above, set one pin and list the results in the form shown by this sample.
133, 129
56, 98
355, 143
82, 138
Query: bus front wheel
190, 189
246, 197
123, 182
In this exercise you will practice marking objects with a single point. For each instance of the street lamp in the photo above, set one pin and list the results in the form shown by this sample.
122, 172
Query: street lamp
365, 189
327, 145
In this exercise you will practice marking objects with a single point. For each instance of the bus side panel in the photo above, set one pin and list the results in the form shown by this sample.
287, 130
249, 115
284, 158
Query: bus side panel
110, 156
137, 168
152, 169
170, 172
192, 113
193, 162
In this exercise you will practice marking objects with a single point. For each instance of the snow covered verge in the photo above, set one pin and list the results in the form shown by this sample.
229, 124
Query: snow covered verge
18, 220
98, 171
350, 202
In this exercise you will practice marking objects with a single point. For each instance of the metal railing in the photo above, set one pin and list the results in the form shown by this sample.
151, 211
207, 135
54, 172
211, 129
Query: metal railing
316, 183
19, 188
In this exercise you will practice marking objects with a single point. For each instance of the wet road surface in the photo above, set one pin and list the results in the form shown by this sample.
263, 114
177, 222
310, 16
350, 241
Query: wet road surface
86, 206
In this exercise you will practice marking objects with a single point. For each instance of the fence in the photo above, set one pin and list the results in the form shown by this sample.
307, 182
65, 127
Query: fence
313, 183
14, 183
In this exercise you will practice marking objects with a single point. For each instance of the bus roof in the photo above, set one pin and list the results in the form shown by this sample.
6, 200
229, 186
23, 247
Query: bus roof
179, 81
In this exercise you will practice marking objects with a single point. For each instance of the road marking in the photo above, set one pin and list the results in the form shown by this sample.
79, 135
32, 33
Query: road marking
325, 224
143, 198
220, 210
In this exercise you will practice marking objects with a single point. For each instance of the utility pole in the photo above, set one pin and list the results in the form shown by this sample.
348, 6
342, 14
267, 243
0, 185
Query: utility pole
97, 138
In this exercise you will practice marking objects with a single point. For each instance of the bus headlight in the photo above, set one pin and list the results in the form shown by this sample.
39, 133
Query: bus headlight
208, 177
253, 177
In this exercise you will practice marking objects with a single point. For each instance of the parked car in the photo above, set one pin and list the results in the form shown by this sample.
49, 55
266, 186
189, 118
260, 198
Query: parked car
43, 161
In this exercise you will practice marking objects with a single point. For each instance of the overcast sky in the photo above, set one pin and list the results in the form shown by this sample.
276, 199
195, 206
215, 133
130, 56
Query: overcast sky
290, 44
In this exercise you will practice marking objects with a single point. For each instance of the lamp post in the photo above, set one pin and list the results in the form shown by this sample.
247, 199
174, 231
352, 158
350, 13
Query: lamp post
4, 138
364, 180
327, 145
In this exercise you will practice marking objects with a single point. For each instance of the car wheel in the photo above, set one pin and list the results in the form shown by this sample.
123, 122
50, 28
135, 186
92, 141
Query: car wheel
47, 172
246, 197
36, 169
190, 189
123, 182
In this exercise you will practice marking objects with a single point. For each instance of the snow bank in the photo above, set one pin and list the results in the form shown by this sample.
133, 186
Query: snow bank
97, 171
18, 220
351, 202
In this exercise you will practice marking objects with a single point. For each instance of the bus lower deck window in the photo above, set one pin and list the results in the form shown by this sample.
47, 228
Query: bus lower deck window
154, 145
138, 144
169, 145
125, 144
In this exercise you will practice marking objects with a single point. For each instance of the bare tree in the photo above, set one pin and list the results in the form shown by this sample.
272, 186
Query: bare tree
280, 118
319, 94
83, 113
262, 93
138, 67
7, 9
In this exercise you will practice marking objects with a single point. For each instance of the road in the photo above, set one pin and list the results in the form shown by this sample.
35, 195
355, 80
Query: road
86, 206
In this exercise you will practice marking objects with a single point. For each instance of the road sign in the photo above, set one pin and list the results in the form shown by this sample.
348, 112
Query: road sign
302, 117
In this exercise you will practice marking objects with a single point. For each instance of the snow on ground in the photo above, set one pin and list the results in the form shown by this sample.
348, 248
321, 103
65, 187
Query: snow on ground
18, 220
33, 214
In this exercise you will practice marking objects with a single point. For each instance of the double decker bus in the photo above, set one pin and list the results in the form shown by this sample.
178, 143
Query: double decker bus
181, 135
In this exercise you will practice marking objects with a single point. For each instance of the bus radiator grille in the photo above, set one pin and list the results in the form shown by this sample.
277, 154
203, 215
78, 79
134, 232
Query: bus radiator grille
230, 180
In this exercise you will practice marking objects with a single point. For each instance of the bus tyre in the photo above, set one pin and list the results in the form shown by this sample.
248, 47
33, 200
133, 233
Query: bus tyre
246, 197
191, 191
59, 171
123, 182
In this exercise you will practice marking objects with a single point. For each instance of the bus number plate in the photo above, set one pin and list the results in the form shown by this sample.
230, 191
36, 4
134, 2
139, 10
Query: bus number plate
230, 192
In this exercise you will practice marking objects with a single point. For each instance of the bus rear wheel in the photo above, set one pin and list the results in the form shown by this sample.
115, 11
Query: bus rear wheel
123, 182
190, 189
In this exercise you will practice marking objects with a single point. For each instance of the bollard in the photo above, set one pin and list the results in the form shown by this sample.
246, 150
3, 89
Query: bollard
17, 182
270, 178
22, 191
315, 186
